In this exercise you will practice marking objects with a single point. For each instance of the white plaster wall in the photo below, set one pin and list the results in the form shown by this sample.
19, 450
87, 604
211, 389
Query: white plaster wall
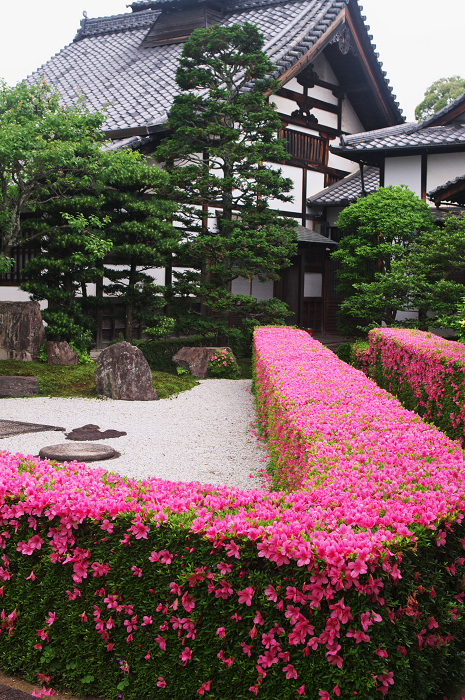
315, 182
324, 94
325, 118
404, 170
262, 290
296, 176
255, 288
443, 167
335, 161
16, 294
294, 85
158, 274
349, 121
324, 70
284, 105
303, 130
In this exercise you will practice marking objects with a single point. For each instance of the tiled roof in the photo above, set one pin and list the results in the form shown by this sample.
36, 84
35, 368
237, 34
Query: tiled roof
117, 23
108, 67
443, 192
347, 190
403, 136
306, 235
435, 118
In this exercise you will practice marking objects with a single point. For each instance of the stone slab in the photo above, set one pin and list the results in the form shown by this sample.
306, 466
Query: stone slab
79, 451
21, 330
196, 359
10, 428
93, 432
7, 693
14, 387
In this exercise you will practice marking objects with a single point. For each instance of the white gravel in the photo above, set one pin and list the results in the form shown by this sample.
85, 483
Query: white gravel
200, 435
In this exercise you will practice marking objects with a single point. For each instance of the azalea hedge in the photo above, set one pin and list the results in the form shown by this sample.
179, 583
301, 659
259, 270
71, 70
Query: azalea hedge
426, 372
346, 582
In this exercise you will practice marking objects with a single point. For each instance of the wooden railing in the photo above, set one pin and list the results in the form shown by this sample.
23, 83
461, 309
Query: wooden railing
305, 147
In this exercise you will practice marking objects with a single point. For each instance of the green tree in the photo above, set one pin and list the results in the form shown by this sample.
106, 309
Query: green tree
142, 238
441, 93
379, 231
224, 134
118, 213
46, 152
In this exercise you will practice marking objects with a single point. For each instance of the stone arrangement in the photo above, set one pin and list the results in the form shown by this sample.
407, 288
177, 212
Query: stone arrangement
21, 330
124, 374
14, 387
196, 359
61, 353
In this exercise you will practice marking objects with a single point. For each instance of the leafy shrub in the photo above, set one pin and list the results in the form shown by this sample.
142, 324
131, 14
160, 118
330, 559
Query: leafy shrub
426, 372
223, 365
344, 352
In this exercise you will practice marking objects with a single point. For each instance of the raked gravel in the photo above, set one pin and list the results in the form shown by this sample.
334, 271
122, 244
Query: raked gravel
203, 434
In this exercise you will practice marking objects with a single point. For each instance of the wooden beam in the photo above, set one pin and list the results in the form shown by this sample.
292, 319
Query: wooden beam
307, 102
325, 131
450, 116
367, 68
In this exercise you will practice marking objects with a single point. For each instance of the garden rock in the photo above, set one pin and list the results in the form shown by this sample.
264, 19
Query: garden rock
124, 374
21, 330
18, 386
93, 432
78, 451
61, 353
196, 359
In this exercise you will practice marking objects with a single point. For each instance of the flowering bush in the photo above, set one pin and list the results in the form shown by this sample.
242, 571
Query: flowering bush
426, 373
223, 365
350, 586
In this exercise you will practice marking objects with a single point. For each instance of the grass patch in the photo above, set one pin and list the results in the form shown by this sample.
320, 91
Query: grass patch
78, 380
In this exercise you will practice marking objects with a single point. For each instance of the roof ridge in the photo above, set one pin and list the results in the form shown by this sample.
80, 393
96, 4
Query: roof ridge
115, 23
442, 112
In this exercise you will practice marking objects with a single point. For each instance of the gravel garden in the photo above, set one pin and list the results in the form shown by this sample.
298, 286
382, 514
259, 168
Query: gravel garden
342, 577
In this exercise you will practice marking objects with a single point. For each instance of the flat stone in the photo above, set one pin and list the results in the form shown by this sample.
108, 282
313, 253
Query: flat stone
77, 451
196, 359
10, 428
93, 432
7, 693
13, 387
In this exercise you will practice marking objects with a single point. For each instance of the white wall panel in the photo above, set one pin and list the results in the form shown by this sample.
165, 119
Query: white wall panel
350, 122
315, 182
295, 174
404, 170
443, 167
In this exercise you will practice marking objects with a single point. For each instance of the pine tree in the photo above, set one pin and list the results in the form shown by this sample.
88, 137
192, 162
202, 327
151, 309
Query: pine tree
224, 135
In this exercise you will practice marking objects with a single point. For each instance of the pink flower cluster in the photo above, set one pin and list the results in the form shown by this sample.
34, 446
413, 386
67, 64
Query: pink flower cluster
365, 474
432, 367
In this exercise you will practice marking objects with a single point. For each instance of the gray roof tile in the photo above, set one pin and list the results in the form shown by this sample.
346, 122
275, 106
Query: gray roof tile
306, 235
403, 136
347, 190
105, 61
460, 100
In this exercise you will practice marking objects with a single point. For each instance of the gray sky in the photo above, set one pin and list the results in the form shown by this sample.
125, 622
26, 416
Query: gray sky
418, 41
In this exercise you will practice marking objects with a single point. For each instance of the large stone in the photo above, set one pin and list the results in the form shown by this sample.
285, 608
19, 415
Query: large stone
18, 386
123, 373
21, 330
61, 353
196, 359
77, 451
